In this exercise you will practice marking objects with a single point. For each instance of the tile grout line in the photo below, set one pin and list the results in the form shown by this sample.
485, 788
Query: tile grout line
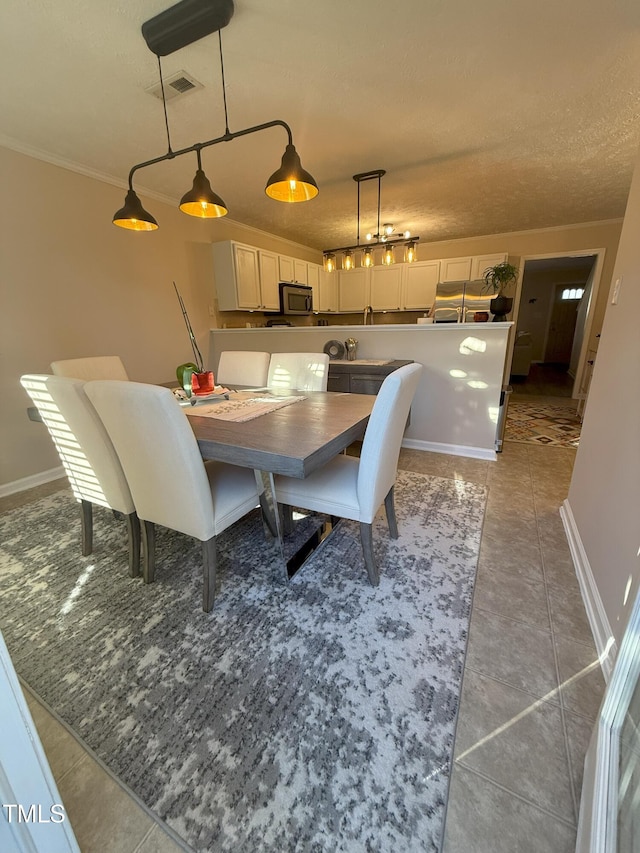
517, 796
565, 736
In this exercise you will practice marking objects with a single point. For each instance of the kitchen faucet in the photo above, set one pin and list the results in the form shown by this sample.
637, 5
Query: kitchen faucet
367, 311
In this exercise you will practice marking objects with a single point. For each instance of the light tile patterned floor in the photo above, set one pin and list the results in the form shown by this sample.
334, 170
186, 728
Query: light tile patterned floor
531, 691
543, 424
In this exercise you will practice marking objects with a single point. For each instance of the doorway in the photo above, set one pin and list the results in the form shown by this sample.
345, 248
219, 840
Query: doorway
553, 313
553, 310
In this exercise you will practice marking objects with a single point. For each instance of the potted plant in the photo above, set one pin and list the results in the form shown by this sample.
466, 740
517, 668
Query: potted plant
499, 279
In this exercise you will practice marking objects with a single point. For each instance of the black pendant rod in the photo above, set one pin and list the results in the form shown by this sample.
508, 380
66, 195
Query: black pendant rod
227, 137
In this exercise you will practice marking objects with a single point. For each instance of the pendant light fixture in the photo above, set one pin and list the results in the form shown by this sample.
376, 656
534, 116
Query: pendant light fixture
388, 256
176, 27
382, 237
329, 262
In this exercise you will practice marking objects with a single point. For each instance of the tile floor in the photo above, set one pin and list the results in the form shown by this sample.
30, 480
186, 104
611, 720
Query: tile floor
531, 692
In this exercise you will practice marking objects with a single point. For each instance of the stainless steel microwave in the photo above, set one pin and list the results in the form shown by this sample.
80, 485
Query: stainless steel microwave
295, 298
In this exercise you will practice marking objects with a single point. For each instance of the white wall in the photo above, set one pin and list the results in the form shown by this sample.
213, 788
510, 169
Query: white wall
604, 498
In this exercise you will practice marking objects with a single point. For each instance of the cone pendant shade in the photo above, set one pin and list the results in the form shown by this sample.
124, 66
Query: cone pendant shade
133, 215
291, 183
201, 201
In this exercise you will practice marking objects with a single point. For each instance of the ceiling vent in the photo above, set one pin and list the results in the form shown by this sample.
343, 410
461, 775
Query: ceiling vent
179, 83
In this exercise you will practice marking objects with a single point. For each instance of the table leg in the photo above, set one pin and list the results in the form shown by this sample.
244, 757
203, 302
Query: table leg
270, 514
274, 525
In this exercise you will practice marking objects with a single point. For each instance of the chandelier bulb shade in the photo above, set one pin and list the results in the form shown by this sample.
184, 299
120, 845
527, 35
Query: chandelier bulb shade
367, 258
329, 261
291, 183
387, 256
133, 215
410, 252
201, 200
348, 261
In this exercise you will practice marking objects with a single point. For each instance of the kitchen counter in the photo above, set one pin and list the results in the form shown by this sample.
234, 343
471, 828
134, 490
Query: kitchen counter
457, 403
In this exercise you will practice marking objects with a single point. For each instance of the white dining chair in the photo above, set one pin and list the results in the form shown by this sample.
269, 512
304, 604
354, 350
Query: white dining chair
300, 371
87, 455
355, 488
170, 483
94, 367
243, 367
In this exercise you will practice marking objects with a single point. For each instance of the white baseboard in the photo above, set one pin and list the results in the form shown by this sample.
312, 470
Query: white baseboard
450, 449
600, 628
31, 482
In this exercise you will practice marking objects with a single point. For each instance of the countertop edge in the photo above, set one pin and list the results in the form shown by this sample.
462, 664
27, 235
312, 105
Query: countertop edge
391, 327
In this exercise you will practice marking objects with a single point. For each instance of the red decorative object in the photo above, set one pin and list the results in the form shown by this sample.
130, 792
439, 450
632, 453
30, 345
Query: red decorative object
202, 383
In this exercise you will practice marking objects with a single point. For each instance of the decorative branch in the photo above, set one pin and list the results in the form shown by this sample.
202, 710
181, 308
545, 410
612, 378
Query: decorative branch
197, 355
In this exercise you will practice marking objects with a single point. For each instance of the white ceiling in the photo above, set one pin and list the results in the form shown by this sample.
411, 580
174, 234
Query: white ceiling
488, 117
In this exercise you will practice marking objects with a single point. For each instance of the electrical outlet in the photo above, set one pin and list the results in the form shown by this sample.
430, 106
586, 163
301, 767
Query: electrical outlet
212, 312
616, 291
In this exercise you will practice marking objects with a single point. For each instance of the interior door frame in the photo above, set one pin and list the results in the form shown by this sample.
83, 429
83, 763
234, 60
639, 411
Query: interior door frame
596, 277
598, 819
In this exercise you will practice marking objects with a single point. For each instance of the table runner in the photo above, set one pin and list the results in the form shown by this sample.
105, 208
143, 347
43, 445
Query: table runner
245, 409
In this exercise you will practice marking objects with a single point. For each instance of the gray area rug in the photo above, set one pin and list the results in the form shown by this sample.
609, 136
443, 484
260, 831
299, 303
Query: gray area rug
314, 716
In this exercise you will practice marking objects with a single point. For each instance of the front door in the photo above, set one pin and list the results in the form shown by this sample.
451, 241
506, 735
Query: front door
562, 328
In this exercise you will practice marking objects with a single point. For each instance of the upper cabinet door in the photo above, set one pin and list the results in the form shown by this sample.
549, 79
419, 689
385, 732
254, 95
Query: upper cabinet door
420, 284
455, 269
327, 293
353, 290
269, 280
300, 274
247, 277
286, 268
386, 285
480, 263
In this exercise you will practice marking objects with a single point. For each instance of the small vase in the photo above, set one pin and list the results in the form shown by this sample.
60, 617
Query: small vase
500, 307
202, 383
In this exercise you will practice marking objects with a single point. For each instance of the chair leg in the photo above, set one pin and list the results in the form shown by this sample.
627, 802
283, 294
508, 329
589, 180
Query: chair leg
209, 560
86, 514
133, 534
391, 514
148, 532
366, 537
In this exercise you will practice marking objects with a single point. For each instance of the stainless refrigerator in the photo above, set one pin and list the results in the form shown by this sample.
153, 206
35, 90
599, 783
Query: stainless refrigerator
458, 301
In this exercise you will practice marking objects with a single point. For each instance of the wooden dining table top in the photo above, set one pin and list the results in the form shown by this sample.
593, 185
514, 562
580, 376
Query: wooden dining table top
293, 440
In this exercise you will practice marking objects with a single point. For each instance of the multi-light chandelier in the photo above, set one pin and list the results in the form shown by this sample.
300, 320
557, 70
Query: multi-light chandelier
383, 236
176, 27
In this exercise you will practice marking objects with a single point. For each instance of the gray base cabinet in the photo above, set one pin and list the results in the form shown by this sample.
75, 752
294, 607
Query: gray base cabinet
360, 378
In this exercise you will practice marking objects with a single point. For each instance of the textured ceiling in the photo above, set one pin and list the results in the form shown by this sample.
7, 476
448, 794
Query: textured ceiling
488, 117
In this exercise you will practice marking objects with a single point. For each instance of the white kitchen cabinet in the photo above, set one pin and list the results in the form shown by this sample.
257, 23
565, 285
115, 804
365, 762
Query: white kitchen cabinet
480, 263
353, 290
285, 265
269, 280
455, 269
313, 280
237, 276
419, 285
327, 293
293, 269
386, 287
300, 271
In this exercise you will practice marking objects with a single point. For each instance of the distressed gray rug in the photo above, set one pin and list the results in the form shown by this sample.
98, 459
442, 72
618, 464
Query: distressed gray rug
314, 716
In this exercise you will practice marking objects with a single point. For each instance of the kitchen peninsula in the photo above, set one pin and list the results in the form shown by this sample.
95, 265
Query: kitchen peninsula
457, 403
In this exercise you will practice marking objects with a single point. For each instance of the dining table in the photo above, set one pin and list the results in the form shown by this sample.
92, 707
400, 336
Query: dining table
305, 432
